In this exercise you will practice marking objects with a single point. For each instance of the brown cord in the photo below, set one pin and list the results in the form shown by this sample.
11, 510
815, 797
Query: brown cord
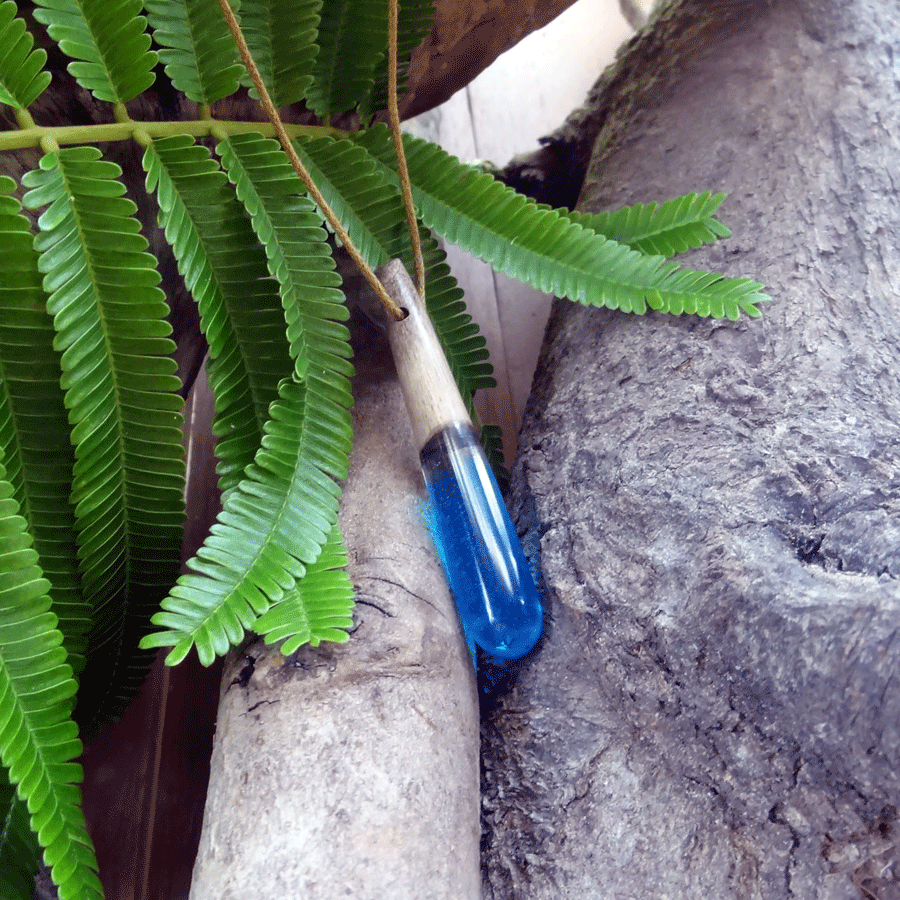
402, 170
392, 309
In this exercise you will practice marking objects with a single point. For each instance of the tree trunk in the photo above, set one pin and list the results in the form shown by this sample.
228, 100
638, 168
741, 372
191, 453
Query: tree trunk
714, 712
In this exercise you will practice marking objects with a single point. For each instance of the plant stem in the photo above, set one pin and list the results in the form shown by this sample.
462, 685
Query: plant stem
402, 171
123, 131
390, 306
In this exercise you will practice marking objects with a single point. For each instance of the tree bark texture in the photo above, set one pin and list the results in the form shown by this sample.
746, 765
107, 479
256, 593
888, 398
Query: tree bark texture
715, 709
352, 770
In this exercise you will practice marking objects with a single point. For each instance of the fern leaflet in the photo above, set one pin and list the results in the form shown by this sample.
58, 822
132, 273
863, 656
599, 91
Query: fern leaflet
38, 739
352, 39
22, 75
299, 259
196, 47
224, 267
272, 526
319, 608
107, 39
681, 224
121, 395
34, 431
366, 205
544, 249
282, 40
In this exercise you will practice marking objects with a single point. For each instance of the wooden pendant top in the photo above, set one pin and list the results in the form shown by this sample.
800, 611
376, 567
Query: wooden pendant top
432, 397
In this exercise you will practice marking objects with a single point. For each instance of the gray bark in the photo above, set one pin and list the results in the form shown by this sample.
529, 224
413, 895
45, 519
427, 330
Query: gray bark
714, 712
352, 770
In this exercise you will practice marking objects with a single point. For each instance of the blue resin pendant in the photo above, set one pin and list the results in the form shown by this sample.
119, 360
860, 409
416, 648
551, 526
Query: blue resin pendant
492, 584
495, 596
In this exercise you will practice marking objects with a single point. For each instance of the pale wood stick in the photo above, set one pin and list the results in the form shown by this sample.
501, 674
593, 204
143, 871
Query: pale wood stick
432, 396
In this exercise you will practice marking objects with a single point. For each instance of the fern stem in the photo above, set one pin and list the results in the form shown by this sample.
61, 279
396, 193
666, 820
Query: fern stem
402, 170
265, 99
23, 119
122, 131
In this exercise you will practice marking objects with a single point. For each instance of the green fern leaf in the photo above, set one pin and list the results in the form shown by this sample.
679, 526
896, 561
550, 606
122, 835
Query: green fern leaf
38, 739
319, 608
371, 211
282, 40
352, 40
34, 429
539, 246
681, 224
369, 208
299, 259
272, 526
20, 852
108, 40
224, 267
197, 48
414, 23
121, 393
685, 291
458, 333
22, 75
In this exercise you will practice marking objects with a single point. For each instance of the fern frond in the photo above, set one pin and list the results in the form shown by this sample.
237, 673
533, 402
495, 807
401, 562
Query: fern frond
539, 246
685, 291
109, 42
371, 211
22, 75
224, 267
20, 852
38, 739
414, 23
458, 333
121, 393
369, 207
320, 608
272, 526
352, 40
299, 258
34, 428
282, 39
197, 48
681, 224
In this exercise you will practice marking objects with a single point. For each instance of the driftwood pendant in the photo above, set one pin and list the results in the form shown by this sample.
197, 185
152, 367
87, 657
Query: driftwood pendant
492, 585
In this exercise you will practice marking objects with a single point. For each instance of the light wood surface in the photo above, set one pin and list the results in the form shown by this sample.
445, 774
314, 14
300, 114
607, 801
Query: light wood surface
432, 398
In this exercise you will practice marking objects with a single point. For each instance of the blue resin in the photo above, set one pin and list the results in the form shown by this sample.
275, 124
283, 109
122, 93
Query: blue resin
492, 584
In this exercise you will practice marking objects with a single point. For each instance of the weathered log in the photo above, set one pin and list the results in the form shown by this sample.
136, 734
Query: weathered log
715, 711
352, 770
